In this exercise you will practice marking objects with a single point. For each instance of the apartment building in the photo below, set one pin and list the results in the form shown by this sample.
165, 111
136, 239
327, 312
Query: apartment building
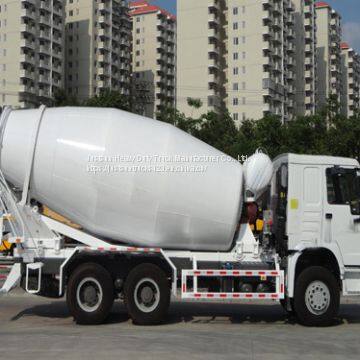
237, 54
328, 54
350, 94
31, 51
98, 47
201, 54
305, 55
154, 58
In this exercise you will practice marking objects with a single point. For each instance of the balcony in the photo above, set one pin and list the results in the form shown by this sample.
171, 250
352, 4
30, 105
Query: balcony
27, 74
25, 43
28, 14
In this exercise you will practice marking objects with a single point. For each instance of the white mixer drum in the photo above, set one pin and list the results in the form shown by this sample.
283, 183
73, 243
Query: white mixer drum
125, 177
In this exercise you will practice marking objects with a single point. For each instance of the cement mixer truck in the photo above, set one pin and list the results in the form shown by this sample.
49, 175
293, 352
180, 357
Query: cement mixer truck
161, 215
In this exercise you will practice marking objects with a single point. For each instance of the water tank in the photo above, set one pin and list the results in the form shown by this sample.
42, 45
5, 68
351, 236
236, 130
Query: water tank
126, 178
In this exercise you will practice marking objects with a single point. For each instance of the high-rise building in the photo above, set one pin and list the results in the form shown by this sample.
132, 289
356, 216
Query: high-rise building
328, 54
98, 47
154, 58
237, 54
350, 94
31, 51
201, 55
305, 56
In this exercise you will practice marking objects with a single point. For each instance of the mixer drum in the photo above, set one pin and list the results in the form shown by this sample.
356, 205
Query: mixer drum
125, 177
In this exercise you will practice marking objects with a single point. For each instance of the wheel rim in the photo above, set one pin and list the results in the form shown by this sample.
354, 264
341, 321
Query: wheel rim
147, 295
89, 294
317, 298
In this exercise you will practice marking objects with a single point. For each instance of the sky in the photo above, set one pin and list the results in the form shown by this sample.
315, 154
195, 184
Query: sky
348, 9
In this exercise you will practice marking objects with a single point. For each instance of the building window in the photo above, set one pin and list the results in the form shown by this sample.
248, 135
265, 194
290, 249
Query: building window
235, 116
138, 30
236, 41
244, 69
235, 26
243, 24
244, 100
236, 71
244, 9
71, 13
235, 101
138, 19
235, 86
243, 39
235, 55
244, 55
235, 10
244, 116
243, 85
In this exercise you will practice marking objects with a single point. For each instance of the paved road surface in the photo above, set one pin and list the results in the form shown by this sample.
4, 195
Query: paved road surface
34, 328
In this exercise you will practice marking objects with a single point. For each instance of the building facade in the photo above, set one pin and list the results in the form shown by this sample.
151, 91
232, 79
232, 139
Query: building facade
154, 58
225, 61
31, 51
350, 94
201, 54
305, 57
98, 47
328, 53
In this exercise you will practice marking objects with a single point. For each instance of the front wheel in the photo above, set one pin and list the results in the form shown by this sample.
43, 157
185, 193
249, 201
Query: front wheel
90, 294
317, 297
147, 294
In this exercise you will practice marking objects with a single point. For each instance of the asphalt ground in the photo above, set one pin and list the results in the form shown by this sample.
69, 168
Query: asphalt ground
36, 328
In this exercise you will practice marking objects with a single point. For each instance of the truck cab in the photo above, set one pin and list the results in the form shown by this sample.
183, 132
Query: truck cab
316, 200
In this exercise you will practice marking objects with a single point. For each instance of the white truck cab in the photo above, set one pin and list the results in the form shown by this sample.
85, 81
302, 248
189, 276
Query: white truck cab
316, 200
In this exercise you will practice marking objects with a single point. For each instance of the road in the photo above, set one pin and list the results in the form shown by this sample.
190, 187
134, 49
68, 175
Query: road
36, 328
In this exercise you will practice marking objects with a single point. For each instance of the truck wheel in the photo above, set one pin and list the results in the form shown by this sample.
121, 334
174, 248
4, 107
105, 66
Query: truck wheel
317, 297
90, 294
147, 294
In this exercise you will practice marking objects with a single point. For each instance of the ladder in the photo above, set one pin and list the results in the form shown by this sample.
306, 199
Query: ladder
12, 229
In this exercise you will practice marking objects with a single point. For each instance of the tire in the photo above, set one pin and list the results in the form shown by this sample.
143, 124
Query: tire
147, 294
90, 294
317, 297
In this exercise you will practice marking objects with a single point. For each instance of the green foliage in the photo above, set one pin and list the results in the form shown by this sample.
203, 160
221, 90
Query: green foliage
327, 133
195, 103
110, 99
61, 98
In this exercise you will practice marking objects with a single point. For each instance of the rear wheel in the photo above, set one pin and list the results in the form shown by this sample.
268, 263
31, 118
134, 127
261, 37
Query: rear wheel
90, 294
317, 297
147, 294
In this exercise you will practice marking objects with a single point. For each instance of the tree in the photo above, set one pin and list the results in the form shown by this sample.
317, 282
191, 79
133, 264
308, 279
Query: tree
110, 99
62, 98
194, 104
175, 117
217, 130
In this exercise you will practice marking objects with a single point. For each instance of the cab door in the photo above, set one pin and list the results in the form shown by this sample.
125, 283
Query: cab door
342, 212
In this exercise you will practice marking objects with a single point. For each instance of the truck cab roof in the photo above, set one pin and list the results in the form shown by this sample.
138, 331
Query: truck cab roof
315, 160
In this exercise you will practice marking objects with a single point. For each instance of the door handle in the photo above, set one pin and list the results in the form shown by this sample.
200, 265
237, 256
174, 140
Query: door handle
329, 216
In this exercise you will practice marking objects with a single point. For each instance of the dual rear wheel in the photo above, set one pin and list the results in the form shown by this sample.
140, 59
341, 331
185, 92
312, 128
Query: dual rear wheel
90, 294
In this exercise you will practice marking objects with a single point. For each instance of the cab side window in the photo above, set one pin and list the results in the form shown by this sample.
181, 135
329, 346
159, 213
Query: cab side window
343, 188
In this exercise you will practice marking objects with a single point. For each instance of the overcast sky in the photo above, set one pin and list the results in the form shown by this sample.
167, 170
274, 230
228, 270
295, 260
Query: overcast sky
349, 10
